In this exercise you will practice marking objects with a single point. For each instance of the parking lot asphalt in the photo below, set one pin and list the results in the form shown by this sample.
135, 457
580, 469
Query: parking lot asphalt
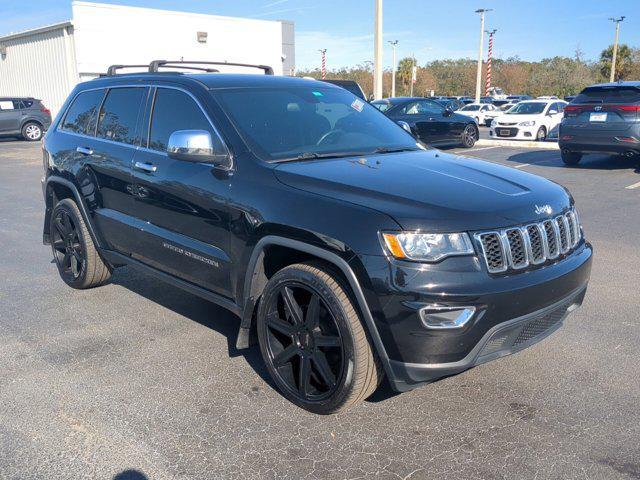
139, 380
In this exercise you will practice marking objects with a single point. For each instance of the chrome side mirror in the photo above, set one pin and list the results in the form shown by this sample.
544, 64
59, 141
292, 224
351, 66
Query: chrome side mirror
405, 126
197, 146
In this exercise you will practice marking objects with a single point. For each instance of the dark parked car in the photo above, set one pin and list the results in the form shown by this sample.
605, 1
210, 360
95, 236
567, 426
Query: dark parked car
24, 117
349, 85
602, 118
348, 251
430, 122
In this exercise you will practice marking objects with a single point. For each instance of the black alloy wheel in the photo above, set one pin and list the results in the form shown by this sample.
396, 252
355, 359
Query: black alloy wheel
77, 259
68, 251
313, 341
303, 342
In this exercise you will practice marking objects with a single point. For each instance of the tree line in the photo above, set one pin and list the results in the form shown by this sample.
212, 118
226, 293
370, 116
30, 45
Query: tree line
559, 76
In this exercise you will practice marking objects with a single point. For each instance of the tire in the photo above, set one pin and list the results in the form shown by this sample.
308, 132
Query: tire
541, 134
32, 131
469, 136
571, 158
76, 257
324, 332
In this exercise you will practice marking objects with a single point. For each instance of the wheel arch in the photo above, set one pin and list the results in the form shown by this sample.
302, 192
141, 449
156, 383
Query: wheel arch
256, 279
57, 188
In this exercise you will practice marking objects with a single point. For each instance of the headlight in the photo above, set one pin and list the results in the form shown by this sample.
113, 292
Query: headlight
528, 123
493, 123
427, 247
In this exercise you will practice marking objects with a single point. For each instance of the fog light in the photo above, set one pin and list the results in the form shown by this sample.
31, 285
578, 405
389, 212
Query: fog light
527, 134
439, 317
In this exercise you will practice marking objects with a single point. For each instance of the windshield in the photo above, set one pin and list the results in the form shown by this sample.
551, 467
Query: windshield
470, 108
532, 108
285, 123
617, 94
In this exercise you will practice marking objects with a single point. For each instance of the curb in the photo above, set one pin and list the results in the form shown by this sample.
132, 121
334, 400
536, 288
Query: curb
518, 144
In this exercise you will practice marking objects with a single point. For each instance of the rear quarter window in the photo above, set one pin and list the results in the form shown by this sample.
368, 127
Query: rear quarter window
83, 112
616, 94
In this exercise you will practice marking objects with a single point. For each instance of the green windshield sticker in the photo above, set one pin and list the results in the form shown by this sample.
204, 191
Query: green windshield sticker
317, 94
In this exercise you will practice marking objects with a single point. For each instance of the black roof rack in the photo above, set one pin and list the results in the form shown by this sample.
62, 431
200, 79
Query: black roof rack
112, 70
156, 64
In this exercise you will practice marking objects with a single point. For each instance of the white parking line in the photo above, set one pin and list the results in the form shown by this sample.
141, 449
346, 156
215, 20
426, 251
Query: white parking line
631, 187
483, 148
522, 165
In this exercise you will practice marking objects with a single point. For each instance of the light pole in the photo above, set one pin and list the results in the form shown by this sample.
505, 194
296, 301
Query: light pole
323, 64
617, 21
393, 43
481, 11
489, 60
377, 53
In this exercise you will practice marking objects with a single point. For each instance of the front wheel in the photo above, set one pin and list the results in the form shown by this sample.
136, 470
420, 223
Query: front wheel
313, 341
541, 134
469, 136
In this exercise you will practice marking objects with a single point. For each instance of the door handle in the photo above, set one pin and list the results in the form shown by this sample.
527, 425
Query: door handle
84, 150
145, 167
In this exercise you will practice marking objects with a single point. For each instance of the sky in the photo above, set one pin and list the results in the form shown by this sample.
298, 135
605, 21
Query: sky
428, 29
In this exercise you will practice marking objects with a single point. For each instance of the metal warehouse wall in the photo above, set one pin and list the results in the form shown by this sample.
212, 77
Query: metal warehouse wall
39, 64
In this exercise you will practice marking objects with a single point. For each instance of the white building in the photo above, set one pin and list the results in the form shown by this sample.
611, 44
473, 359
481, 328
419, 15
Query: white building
47, 62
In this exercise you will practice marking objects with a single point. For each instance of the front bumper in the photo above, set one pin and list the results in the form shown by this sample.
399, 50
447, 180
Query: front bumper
514, 132
503, 339
506, 306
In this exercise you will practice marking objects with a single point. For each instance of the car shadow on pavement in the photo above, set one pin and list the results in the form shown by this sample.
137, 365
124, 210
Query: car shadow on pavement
194, 308
130, 474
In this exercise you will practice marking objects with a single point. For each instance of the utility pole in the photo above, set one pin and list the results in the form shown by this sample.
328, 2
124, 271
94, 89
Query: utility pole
489, 60
481, 11
377, 53
413, 74
617, 21
323, 65
393, 43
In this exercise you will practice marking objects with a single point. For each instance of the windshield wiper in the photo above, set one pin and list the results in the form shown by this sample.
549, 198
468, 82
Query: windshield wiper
315, 155
394, 150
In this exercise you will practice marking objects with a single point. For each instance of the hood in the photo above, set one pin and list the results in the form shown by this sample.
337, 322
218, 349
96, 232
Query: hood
430, 190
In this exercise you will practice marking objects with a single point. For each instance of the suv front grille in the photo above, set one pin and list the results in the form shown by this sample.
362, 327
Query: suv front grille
519, 247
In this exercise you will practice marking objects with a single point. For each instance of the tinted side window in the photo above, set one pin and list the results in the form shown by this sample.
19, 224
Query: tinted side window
83, 112
174, 110
421, 108
119, 115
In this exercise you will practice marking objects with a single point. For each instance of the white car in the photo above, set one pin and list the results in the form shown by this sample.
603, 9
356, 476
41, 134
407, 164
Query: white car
529, 120
482, 113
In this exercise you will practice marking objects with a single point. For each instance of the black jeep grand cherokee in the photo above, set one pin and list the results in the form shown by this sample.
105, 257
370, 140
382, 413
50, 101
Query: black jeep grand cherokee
348, 251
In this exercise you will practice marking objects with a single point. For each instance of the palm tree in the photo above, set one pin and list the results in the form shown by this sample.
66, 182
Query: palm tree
623, 61
404, 74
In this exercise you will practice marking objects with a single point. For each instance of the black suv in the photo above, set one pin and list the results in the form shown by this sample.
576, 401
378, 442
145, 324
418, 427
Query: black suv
348, 251
603, 118
25, 117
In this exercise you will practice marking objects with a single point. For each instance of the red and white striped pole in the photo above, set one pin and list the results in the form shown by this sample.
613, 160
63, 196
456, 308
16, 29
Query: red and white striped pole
491, 33
324, 63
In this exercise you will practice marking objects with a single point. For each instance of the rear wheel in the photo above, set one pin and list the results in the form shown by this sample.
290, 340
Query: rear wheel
469, 136
541, 134
76, 257
571, 158
32, 131
313, 342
